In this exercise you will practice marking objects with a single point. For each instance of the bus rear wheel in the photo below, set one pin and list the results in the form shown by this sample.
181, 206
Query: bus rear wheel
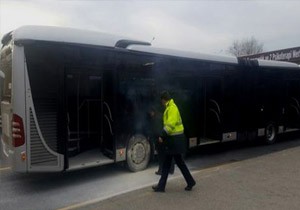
271, 134
138, 153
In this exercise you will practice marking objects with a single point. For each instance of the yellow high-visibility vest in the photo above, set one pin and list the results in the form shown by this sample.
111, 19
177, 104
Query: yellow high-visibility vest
172, 119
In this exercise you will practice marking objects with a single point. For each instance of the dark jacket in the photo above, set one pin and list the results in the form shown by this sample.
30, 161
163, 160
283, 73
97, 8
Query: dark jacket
175, 144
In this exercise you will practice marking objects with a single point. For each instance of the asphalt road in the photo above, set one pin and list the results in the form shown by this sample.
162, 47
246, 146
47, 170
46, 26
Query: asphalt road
65, 190
266, 182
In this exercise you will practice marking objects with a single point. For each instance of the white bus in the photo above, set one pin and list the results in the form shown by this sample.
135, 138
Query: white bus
73, 99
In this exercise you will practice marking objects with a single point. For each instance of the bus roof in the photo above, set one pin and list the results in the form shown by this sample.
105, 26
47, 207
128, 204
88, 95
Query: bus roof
66, 35
184, 54
78, 36
271, 63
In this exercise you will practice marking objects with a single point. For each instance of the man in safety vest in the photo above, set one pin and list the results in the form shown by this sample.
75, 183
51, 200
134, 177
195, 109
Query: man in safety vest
173, 137
156, 127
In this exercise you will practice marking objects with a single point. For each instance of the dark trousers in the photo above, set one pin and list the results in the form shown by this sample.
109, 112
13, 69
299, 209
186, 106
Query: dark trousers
161, 156
181, 165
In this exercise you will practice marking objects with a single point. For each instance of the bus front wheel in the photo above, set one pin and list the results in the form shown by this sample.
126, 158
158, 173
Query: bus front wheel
138, 153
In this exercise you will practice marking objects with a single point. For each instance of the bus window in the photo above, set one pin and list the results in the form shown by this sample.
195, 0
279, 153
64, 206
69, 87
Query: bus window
137, 90
6, 68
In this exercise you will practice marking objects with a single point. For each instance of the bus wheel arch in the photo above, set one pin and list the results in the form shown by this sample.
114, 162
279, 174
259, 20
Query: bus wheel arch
271, 133
138, 153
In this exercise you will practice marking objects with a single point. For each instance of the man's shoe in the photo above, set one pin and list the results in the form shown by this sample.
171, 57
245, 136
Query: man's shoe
156, 188
189, 187
158, 172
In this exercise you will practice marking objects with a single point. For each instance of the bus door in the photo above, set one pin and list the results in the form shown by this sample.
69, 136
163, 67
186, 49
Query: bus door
212, 110
83, 95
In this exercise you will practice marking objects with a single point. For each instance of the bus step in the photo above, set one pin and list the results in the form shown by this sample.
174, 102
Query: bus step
73, 139
108, 153
75, 142
72, 151
74, 146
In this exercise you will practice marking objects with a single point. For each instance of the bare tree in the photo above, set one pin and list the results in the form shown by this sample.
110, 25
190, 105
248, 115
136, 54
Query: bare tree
248, 46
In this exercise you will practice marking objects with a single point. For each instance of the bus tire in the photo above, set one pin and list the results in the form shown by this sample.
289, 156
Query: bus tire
271, 134
138, 153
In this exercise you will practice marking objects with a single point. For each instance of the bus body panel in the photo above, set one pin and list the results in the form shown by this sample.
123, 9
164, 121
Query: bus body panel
20, 157
40, 157
18, 104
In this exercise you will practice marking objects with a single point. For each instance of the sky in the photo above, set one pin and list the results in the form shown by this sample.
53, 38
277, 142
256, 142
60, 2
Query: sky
207, 26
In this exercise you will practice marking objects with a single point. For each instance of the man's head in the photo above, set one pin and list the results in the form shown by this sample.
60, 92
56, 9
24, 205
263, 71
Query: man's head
165, 97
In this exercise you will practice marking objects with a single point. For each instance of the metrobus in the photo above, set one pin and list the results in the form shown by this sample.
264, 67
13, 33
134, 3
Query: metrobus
73, 99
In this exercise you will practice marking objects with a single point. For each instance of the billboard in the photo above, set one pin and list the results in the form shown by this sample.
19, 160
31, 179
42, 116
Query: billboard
290, 54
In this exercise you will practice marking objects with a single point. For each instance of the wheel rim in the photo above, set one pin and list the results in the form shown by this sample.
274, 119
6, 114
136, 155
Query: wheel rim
270, 132
138, 153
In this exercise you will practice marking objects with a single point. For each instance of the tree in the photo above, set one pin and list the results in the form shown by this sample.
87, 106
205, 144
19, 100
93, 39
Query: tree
248, 46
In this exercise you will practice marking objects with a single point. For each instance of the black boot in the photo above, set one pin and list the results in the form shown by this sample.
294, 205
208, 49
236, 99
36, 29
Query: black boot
158, 172
190, 186
156, 188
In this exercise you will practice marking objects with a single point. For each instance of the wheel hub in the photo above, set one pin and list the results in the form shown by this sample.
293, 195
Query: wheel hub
138, 153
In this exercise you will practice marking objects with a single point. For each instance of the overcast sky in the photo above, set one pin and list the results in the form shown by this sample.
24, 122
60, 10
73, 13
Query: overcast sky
203, 26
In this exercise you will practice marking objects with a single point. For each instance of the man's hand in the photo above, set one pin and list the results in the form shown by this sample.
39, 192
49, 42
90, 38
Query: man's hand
160, 140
